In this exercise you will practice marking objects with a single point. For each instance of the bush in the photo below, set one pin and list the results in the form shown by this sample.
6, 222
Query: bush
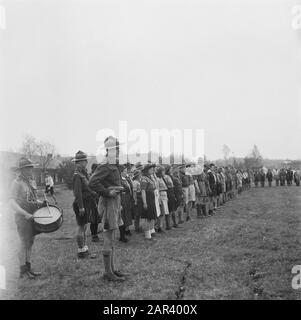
66, 171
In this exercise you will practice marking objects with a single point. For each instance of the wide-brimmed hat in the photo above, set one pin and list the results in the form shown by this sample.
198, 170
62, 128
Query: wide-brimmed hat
139, 166
148, 166
80, 156
25, 162
136, 173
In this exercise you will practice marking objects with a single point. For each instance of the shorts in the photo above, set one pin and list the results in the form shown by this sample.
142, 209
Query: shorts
49, 189
81, 219
26, 231
110, 212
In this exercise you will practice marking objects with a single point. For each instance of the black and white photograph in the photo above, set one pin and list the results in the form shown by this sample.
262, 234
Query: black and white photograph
150, 151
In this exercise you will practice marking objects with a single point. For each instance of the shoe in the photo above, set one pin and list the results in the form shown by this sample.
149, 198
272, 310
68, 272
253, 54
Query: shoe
160, 230
188, 218
25, 274
121, 274
128, 232
83, 255
124, 239
29, 270
112, 277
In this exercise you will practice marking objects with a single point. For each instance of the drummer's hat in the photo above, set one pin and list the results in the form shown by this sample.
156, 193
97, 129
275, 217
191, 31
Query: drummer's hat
25, 162
80, 156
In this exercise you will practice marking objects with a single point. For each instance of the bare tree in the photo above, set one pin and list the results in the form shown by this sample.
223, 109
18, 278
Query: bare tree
254, 160
45, 151
29, 146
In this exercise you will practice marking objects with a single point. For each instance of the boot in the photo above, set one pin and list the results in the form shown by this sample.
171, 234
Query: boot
25, 274
117, 272
109, 275
122, 234
167, 221
29, 270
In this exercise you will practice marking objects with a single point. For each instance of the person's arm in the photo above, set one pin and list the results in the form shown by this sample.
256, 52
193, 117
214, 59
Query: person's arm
77, 190
143, 186
18, 210
96, 182
13, 204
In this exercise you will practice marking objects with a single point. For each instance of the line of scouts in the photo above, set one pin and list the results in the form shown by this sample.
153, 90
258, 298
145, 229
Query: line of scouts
154, 198
281, 176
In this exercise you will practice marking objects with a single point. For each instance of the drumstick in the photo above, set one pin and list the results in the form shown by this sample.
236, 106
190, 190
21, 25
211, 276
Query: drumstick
50, 216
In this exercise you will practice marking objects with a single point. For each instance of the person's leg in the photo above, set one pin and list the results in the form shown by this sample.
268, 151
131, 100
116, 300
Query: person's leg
80, 239
107, 257
24, 257
174, 219
122, 237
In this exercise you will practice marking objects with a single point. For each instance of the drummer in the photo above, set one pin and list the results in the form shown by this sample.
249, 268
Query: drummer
23, 201
106, 181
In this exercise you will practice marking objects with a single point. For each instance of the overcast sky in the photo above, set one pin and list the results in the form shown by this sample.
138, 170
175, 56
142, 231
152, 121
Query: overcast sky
71, 68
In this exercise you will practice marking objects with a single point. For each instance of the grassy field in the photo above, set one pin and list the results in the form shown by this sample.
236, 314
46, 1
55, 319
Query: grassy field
245, 251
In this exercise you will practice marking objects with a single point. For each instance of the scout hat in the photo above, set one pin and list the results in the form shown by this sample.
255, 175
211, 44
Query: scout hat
25, 162
139, 166
148, 166
136, 173
80, 156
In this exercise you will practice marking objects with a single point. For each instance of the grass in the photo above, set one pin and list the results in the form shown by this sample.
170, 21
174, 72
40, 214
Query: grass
245, 251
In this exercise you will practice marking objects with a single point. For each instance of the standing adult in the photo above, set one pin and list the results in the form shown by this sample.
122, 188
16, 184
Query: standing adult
106, 181
24, 202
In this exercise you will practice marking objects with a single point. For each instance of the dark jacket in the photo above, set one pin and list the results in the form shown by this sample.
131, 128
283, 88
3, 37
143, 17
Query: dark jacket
105, 176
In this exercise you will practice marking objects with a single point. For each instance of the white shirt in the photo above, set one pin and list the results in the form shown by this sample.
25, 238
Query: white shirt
49, 181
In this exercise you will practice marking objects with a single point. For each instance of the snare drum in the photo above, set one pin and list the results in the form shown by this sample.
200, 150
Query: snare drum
48, 219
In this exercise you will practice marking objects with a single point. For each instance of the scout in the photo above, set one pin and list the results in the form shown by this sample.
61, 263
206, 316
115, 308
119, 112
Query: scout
83, 201
106, 181
24, 202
